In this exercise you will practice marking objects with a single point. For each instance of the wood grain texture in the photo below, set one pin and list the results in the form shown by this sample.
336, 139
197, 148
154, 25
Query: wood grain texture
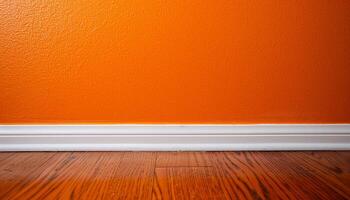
330, 168
187, 183
275, 175
175, 175
22, 169
80, 175
184, 159
5, 156
134, 177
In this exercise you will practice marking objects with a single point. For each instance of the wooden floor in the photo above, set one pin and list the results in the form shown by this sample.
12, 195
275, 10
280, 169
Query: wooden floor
175, 175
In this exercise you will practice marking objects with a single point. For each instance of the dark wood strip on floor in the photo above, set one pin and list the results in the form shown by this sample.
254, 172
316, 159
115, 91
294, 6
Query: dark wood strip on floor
175, 175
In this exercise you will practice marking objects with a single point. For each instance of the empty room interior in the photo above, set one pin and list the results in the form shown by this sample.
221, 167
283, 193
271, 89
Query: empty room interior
175, 99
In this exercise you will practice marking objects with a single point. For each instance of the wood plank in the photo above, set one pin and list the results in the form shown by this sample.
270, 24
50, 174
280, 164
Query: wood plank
270, 175
90, 175
242, 179
184, 159
5, 156
73, 176
23, 168
333, 161
330, 168
134, 177
325, 179
186, 183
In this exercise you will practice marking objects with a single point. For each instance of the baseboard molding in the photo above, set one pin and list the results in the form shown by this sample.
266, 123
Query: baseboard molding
138, 137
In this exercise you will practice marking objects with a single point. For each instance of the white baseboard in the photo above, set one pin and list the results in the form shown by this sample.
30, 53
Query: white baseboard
174, 137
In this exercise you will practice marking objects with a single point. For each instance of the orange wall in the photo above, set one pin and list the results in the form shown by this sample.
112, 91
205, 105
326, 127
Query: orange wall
176, 61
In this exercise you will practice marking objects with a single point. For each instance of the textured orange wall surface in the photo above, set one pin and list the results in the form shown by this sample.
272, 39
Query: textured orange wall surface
176, 61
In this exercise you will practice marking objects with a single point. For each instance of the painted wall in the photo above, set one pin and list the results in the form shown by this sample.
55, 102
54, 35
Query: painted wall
175, 61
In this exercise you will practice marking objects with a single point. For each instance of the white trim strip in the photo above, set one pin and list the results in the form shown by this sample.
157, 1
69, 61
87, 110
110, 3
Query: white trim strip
140, 137
176, 129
